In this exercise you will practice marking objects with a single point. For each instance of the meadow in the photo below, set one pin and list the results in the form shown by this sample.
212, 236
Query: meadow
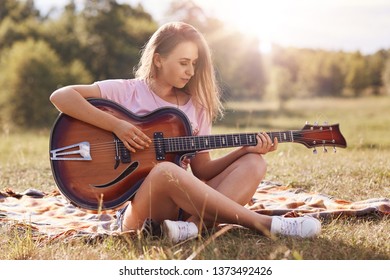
360, 171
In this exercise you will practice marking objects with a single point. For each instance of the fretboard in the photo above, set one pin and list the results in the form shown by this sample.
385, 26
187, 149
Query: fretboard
199, 143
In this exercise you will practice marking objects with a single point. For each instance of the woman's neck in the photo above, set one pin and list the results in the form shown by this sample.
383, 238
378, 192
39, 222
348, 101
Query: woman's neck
165, 92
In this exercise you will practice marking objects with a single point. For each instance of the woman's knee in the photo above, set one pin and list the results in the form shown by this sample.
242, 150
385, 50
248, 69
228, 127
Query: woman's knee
256, 164
165, 172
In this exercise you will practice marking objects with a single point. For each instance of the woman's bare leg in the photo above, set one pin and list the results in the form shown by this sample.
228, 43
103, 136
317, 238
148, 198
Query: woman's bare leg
168, 187
238, 182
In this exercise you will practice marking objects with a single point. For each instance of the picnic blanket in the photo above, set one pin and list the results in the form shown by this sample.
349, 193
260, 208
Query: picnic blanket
51, 216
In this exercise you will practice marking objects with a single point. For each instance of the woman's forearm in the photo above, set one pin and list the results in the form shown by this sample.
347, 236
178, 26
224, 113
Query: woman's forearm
206, 168
72, 102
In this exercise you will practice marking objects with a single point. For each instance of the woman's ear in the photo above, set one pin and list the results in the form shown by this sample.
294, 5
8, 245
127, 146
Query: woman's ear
157, 60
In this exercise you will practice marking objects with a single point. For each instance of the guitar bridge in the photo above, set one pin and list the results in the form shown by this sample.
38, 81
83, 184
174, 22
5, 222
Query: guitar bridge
81, 149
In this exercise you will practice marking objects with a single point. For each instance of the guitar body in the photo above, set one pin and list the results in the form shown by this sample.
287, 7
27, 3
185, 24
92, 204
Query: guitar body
84, 158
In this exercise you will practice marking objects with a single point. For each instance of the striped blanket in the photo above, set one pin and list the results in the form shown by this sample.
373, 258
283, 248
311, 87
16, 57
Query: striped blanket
50, 215
275, 199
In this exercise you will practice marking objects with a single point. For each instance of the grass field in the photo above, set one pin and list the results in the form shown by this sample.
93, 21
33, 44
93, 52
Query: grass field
359, 172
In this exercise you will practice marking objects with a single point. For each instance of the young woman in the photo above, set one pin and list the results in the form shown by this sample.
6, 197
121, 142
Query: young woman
176, 70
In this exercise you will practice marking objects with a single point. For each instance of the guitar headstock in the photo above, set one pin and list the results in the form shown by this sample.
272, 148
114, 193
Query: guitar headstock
313, 136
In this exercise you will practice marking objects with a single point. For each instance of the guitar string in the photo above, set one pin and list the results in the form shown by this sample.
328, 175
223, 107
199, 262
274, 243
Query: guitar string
188, 141
180, 139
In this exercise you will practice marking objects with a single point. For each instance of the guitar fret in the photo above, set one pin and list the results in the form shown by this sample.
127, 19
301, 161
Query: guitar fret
224, 142
185, 144
236, 140
216, 142
243, 139
174, 144
230, 141
177, 145
271, 135
252, 139
201, 142
282, 136
169, 142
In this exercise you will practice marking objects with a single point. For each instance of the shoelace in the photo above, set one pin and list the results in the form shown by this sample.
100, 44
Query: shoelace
183, 230
290, 227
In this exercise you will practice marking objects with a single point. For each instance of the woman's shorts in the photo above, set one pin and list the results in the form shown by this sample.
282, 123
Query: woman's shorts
121, 213
119, 217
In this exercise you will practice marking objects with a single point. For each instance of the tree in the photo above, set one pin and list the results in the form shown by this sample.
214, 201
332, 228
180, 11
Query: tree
19, 20
386, 76
356, 78
112, 35
12, 31
375, 68
17, 10
329, 78
281, 85
249, 79
63, 33
29, 73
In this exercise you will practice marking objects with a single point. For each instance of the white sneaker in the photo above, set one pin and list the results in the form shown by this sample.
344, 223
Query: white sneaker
305, 226
177, 231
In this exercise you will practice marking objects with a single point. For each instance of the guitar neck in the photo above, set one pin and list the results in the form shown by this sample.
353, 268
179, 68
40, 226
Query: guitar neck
199, 143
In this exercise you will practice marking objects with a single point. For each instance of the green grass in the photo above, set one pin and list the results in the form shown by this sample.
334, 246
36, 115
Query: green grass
359, 172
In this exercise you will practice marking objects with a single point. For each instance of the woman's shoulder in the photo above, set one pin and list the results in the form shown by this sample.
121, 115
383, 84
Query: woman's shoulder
137, 85
127, 85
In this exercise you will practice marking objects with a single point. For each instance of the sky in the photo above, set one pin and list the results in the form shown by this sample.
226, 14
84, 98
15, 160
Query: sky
347, 25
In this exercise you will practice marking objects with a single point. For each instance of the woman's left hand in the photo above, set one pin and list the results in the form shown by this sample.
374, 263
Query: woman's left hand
264, 144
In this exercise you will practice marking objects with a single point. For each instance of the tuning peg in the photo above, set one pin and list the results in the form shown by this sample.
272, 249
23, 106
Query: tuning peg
314, 151
325, 150
316, 124
334, 149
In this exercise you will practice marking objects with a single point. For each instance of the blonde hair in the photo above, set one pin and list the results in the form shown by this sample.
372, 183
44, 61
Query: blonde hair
203, 85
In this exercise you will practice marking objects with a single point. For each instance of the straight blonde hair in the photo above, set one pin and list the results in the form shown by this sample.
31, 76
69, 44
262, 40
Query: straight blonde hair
202, 86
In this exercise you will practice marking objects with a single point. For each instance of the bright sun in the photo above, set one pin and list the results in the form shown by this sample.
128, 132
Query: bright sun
264, 19
265, 47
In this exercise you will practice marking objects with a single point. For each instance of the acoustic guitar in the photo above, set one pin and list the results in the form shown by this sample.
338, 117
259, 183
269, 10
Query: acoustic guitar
93, 169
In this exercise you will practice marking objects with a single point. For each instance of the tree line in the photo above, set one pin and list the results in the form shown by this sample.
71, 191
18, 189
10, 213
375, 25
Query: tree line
102, 40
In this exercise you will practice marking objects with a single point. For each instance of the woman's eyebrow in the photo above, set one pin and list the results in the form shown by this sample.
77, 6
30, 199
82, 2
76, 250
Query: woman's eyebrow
188, 59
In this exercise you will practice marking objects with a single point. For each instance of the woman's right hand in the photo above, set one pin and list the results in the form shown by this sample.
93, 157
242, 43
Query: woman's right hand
131, 136
71, 101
